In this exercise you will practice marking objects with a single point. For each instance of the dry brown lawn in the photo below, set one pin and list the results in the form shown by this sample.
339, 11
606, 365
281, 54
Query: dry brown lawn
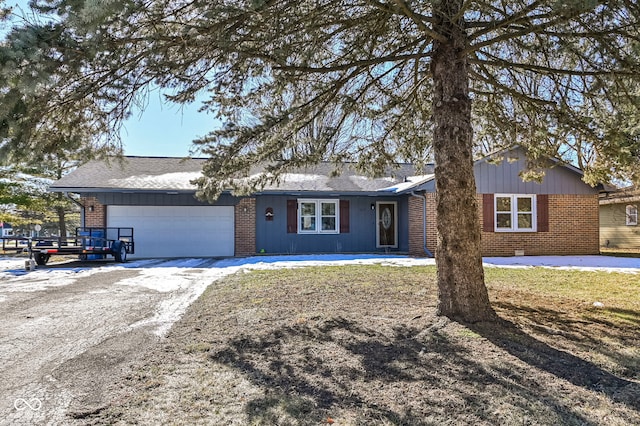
620, 252
361, 345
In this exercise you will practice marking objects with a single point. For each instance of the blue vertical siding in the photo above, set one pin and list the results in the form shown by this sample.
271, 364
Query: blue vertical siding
158, 199
504, 177
272, 236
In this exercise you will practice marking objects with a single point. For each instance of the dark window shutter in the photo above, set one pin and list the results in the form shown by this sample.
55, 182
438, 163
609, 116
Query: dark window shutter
344, 216
543, 212
487, 213
292, 216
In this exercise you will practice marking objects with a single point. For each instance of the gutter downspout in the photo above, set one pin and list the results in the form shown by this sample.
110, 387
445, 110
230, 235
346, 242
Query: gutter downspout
66, 194
424, 223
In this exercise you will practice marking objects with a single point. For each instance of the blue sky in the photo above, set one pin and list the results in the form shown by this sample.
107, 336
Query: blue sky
159, 129
164, 129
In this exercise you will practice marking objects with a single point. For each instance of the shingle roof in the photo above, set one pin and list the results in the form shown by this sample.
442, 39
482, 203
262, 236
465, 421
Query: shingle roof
629, 194
175, 174
132, 173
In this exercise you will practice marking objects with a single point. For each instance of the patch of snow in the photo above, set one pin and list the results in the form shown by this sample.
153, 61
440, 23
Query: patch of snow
583, 263
11, 263
186, 288
411, 181
165, 279
176, 180
40, 279
299, 261
291, 177
293, 181
364, 181
300, 177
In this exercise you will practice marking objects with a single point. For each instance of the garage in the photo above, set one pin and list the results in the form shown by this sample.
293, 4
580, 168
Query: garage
177, 231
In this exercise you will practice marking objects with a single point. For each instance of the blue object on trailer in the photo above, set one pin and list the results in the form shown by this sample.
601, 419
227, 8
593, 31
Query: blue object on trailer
95, 238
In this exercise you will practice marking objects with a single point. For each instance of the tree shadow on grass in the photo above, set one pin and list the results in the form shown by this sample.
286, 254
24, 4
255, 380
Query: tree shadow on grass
629, 315
589, 332
402, 375
561, 364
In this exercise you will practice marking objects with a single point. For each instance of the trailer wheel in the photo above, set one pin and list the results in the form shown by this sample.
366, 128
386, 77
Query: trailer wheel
42, 259
119, 251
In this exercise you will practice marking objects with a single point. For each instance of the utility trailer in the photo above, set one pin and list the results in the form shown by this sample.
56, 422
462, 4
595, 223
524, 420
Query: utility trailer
14, 244
88, 243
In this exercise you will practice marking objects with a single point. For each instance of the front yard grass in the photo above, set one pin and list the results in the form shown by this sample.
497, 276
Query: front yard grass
619, 252
361, 345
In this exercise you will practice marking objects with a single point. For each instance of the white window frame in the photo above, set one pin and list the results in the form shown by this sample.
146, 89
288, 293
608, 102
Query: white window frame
631, 215
514, 213
318, 216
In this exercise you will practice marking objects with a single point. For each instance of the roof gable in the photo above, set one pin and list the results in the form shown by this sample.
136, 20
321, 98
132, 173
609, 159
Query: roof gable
499, 172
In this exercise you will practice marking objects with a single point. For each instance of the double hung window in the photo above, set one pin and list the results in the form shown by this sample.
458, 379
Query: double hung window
318, 216
631, 215
515, 213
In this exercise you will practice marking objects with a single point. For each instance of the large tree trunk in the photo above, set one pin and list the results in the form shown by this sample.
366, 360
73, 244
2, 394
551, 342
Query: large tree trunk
62, 224
462, 294
60, 211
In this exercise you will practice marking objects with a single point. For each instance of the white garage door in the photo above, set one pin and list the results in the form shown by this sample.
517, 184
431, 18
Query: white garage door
177, 231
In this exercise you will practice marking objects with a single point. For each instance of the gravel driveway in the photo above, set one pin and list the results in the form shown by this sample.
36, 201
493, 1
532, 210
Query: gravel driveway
66, 330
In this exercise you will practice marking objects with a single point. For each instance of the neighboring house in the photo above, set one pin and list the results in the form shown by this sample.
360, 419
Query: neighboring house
313, 211
619, 226
6, 230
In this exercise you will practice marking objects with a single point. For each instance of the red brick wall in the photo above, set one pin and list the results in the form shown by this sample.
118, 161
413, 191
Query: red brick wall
95, 214
416, 219
573, 230
415, 226
432, 232
245, 227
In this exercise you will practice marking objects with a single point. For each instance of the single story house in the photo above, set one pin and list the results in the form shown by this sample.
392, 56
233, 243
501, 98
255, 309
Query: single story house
314, 211
6, 230
619, 226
